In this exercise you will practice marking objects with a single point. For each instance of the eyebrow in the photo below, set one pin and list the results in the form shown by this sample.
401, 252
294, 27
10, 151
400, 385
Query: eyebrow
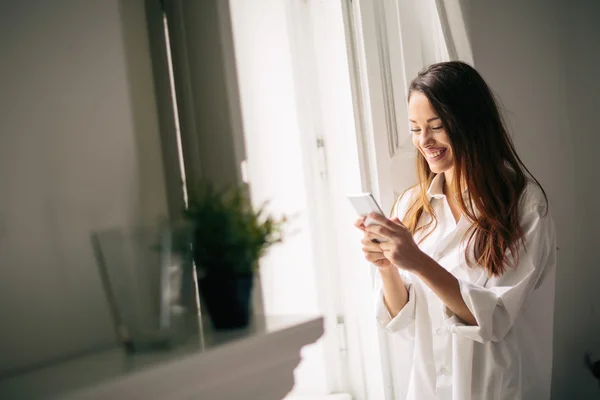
429, 120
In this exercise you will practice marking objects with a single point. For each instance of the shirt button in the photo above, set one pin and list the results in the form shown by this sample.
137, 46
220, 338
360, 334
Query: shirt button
440, 255
439, 331
443, 371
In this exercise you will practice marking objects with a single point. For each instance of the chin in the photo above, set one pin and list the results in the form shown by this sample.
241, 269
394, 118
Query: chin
439, 169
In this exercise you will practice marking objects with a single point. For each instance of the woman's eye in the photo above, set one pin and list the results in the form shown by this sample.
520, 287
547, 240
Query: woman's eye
415, 130
437, 128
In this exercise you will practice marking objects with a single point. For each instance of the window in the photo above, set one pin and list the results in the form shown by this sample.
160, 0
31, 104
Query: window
318, 89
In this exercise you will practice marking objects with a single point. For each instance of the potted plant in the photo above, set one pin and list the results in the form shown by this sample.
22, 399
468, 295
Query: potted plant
230, 236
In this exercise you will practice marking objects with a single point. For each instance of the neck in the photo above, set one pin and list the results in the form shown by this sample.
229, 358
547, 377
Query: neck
449, 182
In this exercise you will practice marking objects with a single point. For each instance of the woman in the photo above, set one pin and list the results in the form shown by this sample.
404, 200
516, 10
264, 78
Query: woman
466, 265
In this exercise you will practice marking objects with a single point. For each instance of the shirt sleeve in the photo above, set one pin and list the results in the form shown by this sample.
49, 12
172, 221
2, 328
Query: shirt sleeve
496, 305
406, 316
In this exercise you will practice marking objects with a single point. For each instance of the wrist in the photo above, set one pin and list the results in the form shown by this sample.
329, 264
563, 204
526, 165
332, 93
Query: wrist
422, 264
389, 273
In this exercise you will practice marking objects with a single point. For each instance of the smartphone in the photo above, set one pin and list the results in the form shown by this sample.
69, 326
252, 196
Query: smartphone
364, 204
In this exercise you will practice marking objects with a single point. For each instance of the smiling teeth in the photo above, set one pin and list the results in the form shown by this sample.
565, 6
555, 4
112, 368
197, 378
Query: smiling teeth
436, 154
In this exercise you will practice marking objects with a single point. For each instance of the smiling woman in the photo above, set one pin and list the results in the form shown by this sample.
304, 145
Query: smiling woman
429, 136
431, 140
466, 275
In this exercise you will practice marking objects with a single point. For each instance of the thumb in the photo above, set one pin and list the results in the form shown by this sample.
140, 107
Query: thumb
396, 220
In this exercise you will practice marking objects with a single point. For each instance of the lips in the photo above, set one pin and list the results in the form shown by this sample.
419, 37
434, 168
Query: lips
435, 153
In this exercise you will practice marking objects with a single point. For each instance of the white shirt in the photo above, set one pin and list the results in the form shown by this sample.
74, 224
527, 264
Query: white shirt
508, 355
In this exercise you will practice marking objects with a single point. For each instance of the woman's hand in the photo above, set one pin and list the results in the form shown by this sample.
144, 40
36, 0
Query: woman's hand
400, 248
372, 250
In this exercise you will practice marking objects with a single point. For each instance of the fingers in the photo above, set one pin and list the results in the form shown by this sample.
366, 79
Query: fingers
387, 227
382, 221
371, 241
383, 263
387, 246
368, 245
370, 236
396, 220
374, 256
378, 259
359, 223
391, 223
380, 231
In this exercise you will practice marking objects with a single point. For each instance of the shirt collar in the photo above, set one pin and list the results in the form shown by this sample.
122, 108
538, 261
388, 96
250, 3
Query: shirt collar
436, 188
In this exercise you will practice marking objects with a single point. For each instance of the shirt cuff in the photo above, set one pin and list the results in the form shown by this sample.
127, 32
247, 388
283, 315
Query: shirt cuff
482, 303
405, 317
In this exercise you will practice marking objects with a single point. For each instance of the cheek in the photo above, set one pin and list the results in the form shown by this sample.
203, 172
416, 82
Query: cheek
415, 141
443, 137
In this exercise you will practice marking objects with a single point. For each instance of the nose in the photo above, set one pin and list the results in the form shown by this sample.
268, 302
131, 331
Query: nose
426, 138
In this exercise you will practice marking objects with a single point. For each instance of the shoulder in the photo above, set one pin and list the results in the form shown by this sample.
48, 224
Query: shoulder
533, 199
404, 201
535, 215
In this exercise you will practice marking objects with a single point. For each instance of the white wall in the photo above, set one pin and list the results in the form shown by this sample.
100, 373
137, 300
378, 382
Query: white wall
79, 150
541, 58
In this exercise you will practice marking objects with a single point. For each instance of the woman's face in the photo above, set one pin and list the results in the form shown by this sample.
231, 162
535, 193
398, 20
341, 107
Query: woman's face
429, 135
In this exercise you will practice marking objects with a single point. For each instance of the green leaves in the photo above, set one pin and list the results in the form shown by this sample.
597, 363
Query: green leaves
230, 236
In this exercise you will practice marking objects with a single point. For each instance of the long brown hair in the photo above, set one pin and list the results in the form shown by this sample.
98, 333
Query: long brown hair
485, 161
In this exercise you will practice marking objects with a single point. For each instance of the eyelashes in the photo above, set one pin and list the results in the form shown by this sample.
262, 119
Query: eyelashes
433, 128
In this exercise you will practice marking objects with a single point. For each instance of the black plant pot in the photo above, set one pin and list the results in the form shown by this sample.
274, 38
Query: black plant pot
227, 299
